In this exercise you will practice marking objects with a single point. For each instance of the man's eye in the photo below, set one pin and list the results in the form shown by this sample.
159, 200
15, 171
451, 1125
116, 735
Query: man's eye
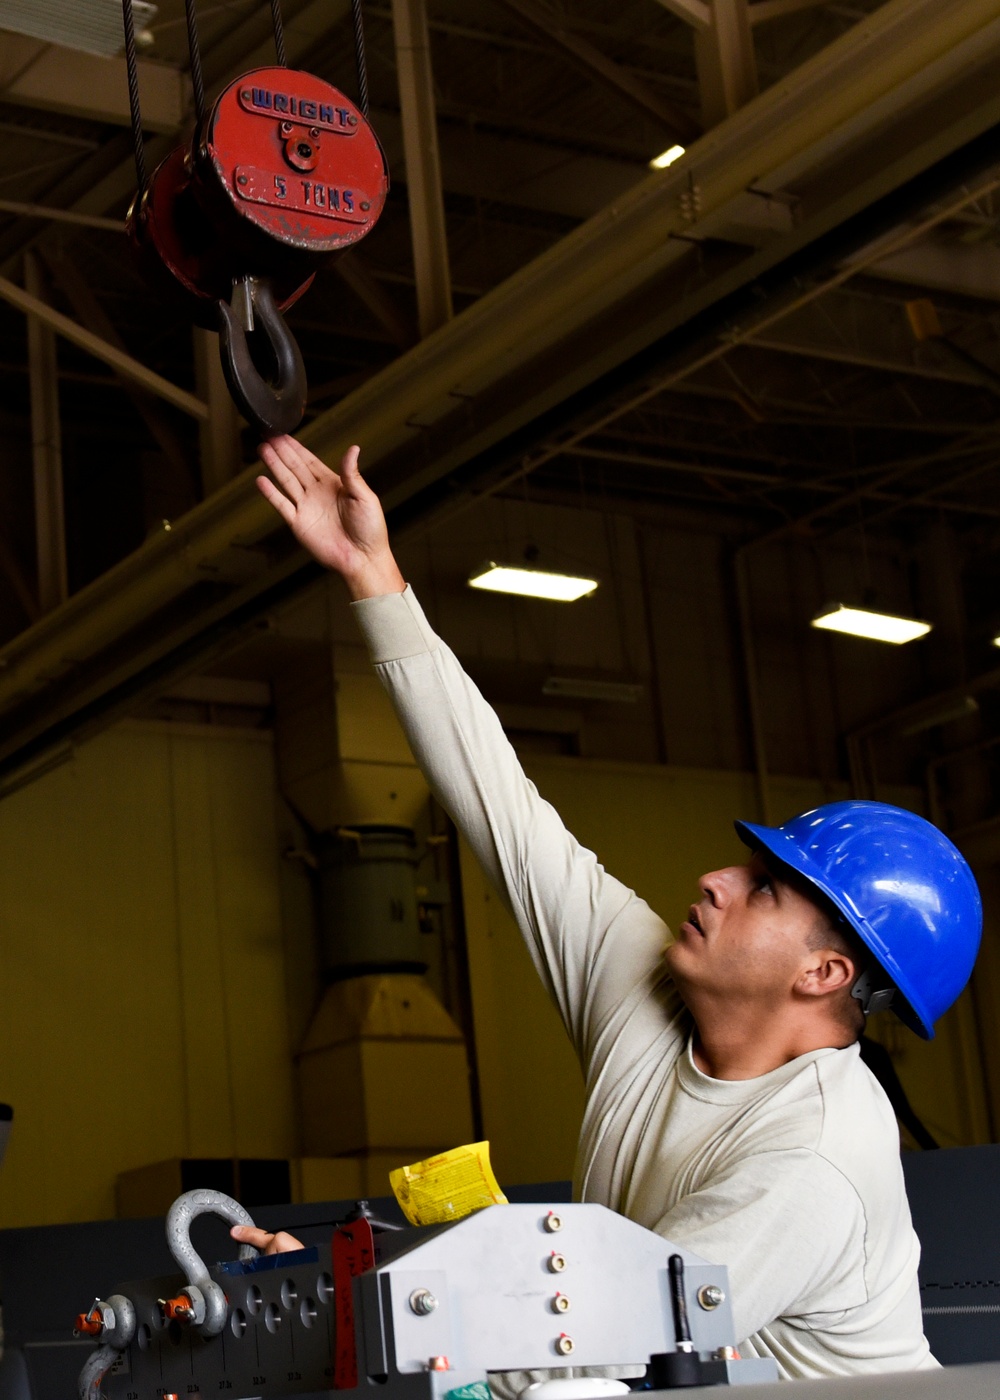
764, 884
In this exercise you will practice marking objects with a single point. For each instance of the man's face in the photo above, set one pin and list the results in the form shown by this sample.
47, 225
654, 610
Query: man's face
747, 938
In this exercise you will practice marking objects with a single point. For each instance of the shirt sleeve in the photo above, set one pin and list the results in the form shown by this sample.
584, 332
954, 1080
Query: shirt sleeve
562, 899
790, 1229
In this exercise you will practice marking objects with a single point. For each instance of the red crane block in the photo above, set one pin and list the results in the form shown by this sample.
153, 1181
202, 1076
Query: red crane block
294, 160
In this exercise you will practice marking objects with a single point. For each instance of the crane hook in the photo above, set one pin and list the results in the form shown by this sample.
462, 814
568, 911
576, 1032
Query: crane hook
272, 405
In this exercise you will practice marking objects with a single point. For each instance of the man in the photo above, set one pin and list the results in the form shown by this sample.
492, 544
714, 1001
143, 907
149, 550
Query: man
727, 1106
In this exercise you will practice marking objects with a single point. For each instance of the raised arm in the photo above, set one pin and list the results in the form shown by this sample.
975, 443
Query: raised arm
594, 942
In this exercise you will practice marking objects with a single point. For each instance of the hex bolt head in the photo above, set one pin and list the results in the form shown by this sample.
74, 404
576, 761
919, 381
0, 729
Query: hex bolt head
423, 1302
710, 1295
556, 1262
560, 1303
564, 1344
553, 1223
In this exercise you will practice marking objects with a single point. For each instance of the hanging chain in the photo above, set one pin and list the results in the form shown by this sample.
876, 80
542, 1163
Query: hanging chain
132, 69
194, 50
359, 55
279, 34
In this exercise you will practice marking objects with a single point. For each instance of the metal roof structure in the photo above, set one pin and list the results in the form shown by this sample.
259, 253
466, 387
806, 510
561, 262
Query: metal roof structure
730, 336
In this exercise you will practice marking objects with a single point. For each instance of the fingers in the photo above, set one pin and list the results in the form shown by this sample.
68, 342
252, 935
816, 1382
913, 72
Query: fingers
293, 479
350, 472
276, 498
306, 466
264, 1240
249, 1234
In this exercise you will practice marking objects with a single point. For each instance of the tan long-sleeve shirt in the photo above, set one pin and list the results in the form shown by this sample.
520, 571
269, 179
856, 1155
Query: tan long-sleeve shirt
792, 1180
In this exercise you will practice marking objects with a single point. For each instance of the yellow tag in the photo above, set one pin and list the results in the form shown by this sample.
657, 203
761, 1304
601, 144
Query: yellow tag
447, 1187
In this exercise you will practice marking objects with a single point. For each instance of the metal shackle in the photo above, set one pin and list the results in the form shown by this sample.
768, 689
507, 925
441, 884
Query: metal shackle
179, 1218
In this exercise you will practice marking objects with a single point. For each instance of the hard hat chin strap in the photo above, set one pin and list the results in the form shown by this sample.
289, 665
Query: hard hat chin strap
872, 993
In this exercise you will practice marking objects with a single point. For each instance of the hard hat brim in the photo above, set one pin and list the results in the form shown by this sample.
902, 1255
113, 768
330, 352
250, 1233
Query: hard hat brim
907, 1004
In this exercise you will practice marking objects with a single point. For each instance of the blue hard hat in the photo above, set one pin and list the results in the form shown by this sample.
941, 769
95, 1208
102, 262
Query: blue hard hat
900, 884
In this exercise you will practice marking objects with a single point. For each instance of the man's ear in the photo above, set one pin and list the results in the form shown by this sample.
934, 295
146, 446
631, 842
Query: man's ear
827, 971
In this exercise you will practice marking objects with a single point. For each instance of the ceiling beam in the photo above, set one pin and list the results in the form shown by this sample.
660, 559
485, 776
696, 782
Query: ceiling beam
123, 363
595, 64
694, 12
89, 311
428, 233
60, 216
726, 62
763, 11
846, 355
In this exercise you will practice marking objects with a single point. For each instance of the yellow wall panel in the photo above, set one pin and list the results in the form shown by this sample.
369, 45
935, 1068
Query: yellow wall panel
140, 966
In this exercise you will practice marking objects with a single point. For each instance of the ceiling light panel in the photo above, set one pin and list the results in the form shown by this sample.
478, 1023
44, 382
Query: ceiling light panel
866, 622
532, 583
666, 158
93, 26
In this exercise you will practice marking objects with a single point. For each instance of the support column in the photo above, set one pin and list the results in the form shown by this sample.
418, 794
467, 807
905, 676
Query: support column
727, 68
46, 448
423, 165
219, 433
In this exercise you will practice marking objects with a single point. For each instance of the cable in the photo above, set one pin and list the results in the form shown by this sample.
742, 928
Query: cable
132, 70
197, 80
359, 54
279, 34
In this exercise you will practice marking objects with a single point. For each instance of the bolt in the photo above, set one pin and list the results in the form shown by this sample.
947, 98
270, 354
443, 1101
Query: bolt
241, 179
556, 1262
710, 1295
246, 95
560, 1303
366, 205
423, 1302
564, 1344
314, 132
552, 1222
286, 128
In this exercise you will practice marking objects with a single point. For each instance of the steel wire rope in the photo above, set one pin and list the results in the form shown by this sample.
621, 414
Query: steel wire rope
357, 19
194, 52
132, 72
279, 34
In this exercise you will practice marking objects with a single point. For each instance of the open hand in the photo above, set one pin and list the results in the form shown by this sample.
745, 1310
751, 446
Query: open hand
336, 517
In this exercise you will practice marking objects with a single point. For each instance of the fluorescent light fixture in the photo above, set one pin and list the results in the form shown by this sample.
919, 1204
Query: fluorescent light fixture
532, 583
866, 622
579, 688
94, 26
666, 158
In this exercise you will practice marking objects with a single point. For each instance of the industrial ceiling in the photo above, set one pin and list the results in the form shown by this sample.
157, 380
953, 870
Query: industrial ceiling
729, 335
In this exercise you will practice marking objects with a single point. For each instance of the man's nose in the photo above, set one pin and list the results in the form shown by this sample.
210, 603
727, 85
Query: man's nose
719, 885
